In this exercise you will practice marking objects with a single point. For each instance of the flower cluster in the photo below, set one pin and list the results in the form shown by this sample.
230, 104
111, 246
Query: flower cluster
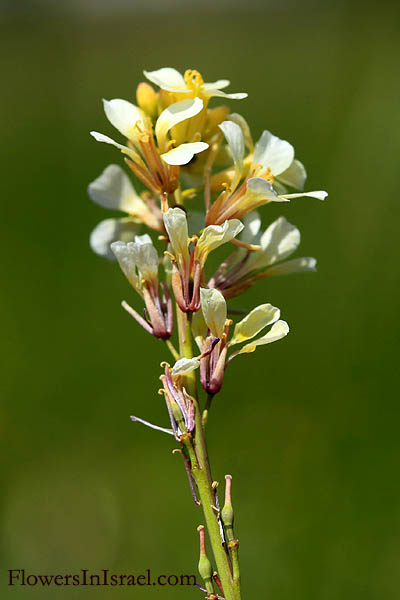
181, 149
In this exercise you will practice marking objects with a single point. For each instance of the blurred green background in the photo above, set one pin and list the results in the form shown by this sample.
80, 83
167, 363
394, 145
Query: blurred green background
307, 427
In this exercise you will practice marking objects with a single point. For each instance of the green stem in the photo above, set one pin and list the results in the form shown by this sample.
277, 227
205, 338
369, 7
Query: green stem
201, 471
172, 349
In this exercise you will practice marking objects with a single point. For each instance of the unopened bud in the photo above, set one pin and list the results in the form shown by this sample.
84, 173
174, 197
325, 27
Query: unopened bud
147, 99
205, 568
227, 511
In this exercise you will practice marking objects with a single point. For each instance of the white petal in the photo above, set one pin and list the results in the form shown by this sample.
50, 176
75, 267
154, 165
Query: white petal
146, 259
280, 240
174, 114
297, 265
213, 305
263, 190
254, 322
184, 153
143, 239
234, 136
167, 79
216, 85
177, 228
219, 94
320, 195
295, 176
109, 231
113, 189
273, 153
279, 330
124, 254
252, 225
99, 137
123, 115
241, 121
214, 236
184, 366
277, 242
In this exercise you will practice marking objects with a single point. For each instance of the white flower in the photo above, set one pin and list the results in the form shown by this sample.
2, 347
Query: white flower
254, 322
171, 80
138, 258
214, 236
279, 240
259, 318
214, 309
184, 366
146, 257
110, 230
177, 228
278, 331
125, 255
132, 123
273, 158
114, 190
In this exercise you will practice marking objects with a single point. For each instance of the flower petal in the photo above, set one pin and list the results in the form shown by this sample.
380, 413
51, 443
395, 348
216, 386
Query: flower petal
146, 257
184, 153
254, 322
277, 242
279, 330
252, 225
167, 79
109, 231
123, 115
184, 366
295, 176
124, 254
263, 190
319, 194
174, 114
177, 228
273, 153
213, 305
297, 265
214, 236
99, 137
113, 189
217, 93
234, 136
216, 85
241, 121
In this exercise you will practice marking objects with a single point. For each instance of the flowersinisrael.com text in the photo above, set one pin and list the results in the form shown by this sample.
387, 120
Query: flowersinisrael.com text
102, 578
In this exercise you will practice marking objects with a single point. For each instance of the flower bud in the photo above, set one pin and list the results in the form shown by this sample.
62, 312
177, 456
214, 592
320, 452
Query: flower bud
205, 568
227, 511
147, 99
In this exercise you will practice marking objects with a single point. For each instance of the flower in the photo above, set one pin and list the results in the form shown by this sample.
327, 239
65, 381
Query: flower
275, 244
139, 262
272, 159
114, 190
189, 263
179, 403
211, 331
152, 156
191, 84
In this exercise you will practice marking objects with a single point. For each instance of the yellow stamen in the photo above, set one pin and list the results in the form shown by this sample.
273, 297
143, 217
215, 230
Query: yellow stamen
171, 144
171, 256
193, 80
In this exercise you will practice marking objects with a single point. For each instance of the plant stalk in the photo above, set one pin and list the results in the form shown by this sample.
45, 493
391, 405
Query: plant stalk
202, 473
